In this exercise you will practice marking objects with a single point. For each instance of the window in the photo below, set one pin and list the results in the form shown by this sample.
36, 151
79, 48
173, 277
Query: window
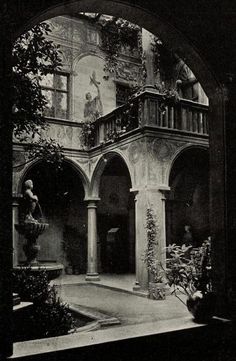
55, 89
123, 92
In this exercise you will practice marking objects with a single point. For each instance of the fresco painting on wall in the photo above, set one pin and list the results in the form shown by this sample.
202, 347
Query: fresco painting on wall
93, 107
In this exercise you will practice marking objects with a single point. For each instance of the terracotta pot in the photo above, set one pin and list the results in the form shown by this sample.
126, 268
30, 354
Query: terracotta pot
157, 291
202, 306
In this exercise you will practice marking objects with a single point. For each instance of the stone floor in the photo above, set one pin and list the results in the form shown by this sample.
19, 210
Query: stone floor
113, 295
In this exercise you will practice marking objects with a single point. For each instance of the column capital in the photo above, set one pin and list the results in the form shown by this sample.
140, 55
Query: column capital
152, 188
164, 191
134, 190
92, 199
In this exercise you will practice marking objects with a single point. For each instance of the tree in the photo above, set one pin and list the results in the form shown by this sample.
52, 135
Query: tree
34, 56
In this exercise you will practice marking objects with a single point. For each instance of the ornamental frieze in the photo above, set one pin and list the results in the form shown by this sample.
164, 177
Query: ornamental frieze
60, 27
135, 151
163, 150
127, 71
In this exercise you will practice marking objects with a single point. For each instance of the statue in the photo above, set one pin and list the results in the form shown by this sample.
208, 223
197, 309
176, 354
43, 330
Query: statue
93, 107
31, 200
184, 79
187, 236
30, 227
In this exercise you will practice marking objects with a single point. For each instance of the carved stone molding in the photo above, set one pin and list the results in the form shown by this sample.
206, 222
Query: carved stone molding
61, 28
82, 161
127, 71
163, 150
135, 152
19, 159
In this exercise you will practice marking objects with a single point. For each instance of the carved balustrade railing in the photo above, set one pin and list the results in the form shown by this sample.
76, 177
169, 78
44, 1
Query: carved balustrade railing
153, 110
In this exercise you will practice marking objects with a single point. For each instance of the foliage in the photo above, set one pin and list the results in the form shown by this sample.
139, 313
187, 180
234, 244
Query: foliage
116, 34
48, 150
52, 318
31, 286
87, 135
34, 56
189, 269
151, 255
49, 316
156, 49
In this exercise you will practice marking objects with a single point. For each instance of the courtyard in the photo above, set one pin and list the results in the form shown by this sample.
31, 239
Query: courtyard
171, 154
113, 295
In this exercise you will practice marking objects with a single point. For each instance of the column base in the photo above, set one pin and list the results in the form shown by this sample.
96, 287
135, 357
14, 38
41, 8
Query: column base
137, 290
136, 286
92, 277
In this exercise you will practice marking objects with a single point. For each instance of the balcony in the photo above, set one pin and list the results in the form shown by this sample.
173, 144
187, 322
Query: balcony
150, 109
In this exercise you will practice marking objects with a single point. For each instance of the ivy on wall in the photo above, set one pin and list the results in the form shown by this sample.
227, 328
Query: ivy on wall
117, 34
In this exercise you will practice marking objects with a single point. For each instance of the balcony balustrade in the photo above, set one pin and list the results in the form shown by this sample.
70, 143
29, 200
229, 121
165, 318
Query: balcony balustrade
152, 109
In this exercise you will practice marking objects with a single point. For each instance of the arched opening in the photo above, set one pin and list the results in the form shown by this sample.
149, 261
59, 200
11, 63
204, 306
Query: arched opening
116, 219
61, 197
198, 70
202, 71
188, 200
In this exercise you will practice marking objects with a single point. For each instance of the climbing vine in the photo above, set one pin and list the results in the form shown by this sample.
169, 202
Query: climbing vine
117, 34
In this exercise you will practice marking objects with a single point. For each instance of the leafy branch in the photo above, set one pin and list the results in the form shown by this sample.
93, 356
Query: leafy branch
34, 56
47, 150
116, 34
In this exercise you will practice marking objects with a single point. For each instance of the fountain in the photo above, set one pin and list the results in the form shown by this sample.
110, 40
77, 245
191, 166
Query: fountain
31, 228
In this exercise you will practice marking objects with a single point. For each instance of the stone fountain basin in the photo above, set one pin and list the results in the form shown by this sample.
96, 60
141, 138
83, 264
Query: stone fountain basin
53, 269
31, 228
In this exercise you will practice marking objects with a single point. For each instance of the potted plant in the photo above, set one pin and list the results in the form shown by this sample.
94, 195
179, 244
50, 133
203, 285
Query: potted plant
188, 271
156, 284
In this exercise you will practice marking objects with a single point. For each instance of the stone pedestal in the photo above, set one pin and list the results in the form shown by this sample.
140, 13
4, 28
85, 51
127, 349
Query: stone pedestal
31, 231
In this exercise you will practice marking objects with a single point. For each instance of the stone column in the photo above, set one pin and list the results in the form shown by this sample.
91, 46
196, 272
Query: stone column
15, 220
163, 190
92, 265
148, 197
141, 282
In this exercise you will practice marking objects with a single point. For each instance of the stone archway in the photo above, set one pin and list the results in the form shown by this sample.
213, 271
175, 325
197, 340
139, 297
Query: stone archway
115, 215
61, 196
222, 212
188, 200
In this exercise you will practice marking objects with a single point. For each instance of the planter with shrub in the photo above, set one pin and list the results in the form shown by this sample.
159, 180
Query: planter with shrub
48, 316
188, 271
